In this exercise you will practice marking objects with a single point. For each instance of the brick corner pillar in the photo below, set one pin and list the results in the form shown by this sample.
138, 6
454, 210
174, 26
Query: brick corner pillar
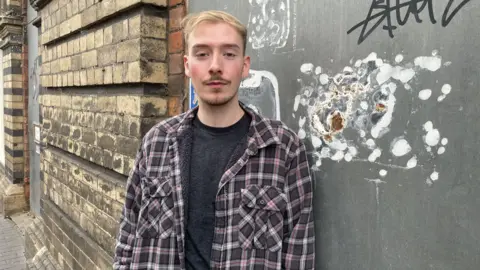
11, 34
177, 81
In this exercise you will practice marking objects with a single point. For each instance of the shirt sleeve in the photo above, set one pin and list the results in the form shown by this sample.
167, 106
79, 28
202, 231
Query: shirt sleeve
298, 250
128, 221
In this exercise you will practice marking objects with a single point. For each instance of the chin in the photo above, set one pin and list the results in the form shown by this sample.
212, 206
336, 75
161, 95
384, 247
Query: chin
218, 101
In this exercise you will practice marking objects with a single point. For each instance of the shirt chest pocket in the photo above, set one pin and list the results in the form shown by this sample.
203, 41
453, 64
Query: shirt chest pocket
156, 217
261, 217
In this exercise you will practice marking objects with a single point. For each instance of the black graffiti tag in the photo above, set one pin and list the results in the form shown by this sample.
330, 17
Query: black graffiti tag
381, 11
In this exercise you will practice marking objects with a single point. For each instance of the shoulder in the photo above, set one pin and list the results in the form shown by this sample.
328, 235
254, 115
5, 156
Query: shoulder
285, 135
160, 131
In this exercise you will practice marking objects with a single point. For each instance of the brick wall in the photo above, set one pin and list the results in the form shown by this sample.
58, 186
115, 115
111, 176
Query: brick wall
177, 81
110, 71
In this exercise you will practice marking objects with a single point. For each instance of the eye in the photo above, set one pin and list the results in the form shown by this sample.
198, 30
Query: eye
201, 54
230, 55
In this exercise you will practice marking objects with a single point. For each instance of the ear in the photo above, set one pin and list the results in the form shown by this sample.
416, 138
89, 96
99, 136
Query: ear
186, 65
246, 67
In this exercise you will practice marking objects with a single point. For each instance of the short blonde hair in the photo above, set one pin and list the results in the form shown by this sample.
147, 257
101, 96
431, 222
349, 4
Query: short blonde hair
190, 22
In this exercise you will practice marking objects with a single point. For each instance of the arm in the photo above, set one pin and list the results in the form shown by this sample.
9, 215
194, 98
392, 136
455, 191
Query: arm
128, 221
299, 244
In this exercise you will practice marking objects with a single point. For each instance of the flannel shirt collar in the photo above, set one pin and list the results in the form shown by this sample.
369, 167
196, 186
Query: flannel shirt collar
261, 134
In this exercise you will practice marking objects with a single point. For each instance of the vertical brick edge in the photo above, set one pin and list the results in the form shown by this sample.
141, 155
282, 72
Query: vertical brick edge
177, 81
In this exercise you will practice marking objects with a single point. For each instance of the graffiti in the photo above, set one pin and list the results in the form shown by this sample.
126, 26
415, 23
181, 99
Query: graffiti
260, 92
273, 25
346, 115
35, 78
413, 7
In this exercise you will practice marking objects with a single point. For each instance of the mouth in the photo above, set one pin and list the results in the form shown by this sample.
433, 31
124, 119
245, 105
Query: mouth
216, 83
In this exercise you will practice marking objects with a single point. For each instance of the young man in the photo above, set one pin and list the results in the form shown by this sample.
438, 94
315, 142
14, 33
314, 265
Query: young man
218, 187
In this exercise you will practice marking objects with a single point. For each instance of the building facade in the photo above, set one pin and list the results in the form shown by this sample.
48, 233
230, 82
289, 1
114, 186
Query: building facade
83, 81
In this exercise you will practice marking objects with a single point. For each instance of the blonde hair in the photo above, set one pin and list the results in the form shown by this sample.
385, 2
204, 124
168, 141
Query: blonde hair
192, 20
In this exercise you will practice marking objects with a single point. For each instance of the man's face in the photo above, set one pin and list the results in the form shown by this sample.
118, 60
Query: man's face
216, 63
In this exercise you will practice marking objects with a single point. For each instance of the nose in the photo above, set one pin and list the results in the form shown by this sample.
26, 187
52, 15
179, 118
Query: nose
216, 64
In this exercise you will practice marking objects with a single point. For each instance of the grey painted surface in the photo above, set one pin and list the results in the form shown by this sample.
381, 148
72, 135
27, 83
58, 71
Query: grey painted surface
33, 109
414, 217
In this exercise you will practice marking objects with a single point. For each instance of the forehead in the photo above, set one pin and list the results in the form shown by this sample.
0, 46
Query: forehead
214, 34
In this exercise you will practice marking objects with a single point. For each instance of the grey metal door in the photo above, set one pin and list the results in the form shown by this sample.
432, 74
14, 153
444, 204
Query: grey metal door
386, 96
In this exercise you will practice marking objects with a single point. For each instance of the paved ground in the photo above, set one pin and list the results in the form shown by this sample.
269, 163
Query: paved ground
12, 250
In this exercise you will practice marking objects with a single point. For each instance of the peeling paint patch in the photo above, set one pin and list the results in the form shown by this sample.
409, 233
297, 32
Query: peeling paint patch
355, 109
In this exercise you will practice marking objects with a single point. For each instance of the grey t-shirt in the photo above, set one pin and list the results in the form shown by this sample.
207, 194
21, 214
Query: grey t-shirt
211, 152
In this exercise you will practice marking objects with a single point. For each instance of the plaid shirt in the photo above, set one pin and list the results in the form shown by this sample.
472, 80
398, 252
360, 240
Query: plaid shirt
263, 207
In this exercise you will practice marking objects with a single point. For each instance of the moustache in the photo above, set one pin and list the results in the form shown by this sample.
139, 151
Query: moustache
217, 78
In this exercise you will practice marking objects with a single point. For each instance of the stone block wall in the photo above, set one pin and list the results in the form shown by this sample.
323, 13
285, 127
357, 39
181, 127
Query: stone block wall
109, 73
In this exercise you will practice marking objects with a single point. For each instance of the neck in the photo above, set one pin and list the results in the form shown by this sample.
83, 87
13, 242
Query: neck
220, 116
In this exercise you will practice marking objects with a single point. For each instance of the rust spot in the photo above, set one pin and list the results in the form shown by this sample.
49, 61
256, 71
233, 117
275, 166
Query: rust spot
327, 138
380, 107
337, 122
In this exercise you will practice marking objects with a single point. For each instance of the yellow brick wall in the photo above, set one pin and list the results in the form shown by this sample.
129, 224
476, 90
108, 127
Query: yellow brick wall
104, 75
105, 130
129, 50
90, 197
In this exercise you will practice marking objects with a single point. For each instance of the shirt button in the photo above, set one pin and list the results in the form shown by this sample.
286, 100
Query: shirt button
262, 202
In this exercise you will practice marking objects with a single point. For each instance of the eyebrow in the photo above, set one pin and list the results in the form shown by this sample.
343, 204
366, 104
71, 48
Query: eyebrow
229, 45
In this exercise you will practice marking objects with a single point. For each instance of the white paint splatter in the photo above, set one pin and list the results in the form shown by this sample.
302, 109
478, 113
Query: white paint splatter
425, 94
432, 138
412, 162
306, 68
338, 156
444, 141
370, 143
428, 126
374, 155
352, 150
399, 58
446, 89
441, 98
379, 129
362, 97
348, 69
302, 134
324, 79
441, 150
371, 57
301, 121
364, 105
402, 74
432, 63
434, 176
316, 142
382, 173
400, 147
296, 103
